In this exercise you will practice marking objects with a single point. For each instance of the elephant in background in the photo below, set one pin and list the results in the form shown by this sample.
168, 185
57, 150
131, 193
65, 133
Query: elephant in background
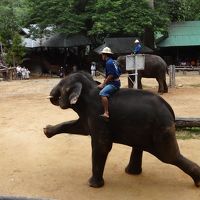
138, 118
155, 67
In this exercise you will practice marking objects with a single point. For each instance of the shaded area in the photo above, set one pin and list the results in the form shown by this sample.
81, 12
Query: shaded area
121, 45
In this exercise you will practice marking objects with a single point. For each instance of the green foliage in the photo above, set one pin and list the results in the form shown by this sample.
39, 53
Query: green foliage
120, 16
180, 10
188, 133
192, 10
100, 18
9, 28
63, 16
15, 53
96, 18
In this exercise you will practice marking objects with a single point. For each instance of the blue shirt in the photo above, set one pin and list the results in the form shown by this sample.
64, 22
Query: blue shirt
113, 69
137, 48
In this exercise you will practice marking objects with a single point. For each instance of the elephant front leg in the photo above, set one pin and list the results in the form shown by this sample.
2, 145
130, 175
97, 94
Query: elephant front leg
71, 127
99, 156
140, 82
135, 163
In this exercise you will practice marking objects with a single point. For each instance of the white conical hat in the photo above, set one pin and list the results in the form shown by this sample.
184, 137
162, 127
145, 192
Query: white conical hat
137, 41
107, 50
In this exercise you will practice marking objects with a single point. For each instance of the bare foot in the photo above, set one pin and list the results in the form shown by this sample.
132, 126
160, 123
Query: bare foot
105, 116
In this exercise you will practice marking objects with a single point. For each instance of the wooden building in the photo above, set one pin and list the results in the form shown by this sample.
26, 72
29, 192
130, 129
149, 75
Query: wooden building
182, 44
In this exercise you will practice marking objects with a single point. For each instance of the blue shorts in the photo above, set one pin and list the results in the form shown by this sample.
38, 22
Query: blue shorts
108, 90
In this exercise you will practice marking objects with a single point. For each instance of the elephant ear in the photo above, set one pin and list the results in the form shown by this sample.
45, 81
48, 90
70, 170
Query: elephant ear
75, 93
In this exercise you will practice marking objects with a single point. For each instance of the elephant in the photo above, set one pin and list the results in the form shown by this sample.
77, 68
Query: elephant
155, 67
138, 118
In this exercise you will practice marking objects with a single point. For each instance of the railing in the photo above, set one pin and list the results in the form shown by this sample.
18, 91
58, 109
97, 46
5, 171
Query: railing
184, 69
173, 69
8, 73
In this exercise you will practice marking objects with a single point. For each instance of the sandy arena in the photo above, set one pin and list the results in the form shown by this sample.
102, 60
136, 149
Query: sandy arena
58, 168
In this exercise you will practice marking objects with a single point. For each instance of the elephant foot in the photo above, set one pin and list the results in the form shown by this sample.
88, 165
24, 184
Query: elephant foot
133, 171
160, 92
165, 91
47, 131
197, 182
96, 183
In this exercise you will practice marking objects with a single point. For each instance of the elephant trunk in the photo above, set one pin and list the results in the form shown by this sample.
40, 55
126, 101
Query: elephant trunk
54, 96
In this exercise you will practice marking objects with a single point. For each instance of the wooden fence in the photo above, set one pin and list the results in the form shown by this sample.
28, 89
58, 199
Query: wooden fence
8, 73
173, 69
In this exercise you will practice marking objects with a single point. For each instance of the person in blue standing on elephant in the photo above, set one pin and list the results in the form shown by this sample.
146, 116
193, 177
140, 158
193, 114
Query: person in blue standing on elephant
137, 47
112, 82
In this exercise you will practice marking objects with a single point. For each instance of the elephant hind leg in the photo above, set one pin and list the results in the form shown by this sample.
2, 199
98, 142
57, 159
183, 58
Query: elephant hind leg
165, 86
167, 150
140, 83
160, 85
190, 168
135, 163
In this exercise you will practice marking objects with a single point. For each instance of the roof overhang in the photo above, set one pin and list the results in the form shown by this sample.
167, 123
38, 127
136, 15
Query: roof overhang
121, 45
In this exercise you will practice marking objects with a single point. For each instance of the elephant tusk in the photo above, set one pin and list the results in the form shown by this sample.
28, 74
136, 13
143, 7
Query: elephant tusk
50, 97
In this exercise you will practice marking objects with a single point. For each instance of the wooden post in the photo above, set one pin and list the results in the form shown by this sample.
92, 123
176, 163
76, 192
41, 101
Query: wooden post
172, 74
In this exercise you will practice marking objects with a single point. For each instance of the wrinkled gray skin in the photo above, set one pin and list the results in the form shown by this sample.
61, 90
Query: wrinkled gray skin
155, 67
138, 118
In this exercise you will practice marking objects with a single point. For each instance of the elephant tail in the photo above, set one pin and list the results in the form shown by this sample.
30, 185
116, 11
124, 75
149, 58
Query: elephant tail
167, 71
169, 107
171, 110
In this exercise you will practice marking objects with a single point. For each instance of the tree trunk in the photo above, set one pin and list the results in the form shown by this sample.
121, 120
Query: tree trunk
148, 37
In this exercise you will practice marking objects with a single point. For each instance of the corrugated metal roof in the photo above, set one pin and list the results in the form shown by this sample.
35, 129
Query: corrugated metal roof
31, 43
62, 40
122, 45
182, 34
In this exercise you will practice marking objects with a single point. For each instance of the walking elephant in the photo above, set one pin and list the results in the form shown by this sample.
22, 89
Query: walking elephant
155, 67
138, 118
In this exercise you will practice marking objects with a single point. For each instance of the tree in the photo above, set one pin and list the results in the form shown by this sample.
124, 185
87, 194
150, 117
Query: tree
61, 15
94, 17
192, 10
180, 10
9, 27
16, 52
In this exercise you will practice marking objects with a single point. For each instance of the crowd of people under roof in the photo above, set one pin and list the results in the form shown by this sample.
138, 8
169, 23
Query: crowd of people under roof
22, 73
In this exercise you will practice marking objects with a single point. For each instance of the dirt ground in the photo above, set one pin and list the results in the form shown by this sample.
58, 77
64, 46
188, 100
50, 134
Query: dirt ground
58, 168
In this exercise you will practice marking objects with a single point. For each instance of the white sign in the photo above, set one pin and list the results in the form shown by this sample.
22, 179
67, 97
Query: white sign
135, 61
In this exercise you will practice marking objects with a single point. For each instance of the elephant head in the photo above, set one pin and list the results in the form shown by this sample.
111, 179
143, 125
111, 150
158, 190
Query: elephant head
65, 94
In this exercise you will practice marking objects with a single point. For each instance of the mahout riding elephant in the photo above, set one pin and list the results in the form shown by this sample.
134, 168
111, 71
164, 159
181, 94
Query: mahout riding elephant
138, 118
155, 67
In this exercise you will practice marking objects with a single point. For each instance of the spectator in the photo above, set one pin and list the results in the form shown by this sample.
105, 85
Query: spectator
27, 72
61, 72
93, 69
19, 72
23, 71
74, 68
